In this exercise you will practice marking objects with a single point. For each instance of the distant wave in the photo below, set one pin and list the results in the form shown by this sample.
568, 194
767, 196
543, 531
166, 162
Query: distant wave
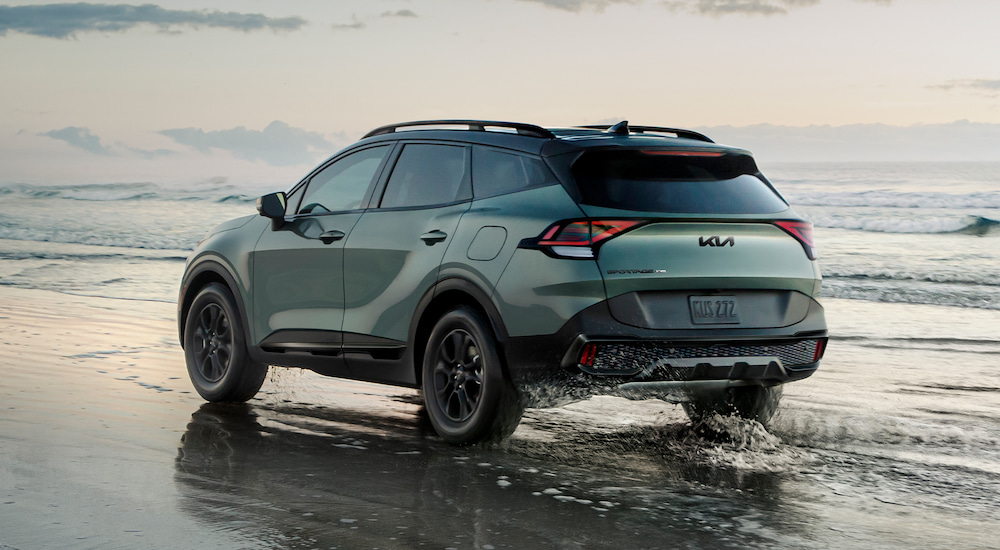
212, 192
952, 345
40, 255
980, 226
237, 198
896, 199
972, 296
961, 341
970, 225
966, 278
148, 241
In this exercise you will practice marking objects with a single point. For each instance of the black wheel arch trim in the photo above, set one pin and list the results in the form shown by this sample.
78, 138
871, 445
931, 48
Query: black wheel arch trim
216, 266
482, 300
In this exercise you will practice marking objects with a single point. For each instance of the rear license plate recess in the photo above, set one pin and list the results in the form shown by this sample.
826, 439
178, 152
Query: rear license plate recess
714, 310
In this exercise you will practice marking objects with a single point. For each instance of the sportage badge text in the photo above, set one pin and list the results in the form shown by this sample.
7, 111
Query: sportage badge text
714, 241
634, 271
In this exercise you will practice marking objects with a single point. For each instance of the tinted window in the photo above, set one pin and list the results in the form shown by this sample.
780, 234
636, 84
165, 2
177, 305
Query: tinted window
343, 184
495, 172
661, 182
428, 174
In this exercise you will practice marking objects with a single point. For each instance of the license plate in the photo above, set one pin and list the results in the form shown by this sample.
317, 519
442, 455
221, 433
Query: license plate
714, 310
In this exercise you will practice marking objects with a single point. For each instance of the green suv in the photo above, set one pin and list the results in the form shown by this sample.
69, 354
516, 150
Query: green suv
499, 265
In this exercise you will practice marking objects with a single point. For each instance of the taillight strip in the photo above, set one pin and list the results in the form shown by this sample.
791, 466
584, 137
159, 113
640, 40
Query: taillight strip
802, 231
584, 236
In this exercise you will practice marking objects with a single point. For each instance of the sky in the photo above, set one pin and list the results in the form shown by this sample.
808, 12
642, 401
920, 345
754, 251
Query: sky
262, 90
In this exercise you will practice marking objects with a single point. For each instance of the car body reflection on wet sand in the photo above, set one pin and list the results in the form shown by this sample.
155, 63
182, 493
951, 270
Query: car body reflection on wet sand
320, 477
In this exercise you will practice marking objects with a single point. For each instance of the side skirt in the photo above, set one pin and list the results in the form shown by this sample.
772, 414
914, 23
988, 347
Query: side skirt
339, 354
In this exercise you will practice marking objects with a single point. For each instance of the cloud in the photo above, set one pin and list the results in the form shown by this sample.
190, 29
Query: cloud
719, 8
81, 138
578, 5
356, 25
145, 153
981, 85
714, 8
65, 20
278, 144
399, 13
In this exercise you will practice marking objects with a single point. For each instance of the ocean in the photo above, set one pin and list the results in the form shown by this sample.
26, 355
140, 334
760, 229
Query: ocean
921, 233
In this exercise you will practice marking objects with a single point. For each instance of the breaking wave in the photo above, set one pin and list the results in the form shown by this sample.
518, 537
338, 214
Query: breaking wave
120, 239
89, 257
970, 225
956, 277
894, 199
979, 296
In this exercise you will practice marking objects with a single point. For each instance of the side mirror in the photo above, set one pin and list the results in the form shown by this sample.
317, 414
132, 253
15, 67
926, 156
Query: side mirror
272, 206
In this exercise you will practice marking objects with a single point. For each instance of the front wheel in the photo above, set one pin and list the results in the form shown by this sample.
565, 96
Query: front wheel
215, 349
750, 402
467, 397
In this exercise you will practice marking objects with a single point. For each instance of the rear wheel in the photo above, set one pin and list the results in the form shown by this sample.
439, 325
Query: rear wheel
216, 351
467, 397
750, 402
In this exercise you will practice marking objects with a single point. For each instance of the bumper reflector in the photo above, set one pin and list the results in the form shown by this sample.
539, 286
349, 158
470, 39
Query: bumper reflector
820, 349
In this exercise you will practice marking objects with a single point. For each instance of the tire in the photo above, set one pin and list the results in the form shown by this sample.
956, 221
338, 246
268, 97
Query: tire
467, 397
216, 351
754, 402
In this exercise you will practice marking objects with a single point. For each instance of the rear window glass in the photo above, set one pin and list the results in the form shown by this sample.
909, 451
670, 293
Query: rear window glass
650, 182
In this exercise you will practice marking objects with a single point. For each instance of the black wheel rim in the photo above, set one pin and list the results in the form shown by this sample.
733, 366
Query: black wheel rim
213, 343
458, 376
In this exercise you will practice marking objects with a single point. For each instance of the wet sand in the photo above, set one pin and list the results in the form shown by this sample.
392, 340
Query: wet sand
104, 444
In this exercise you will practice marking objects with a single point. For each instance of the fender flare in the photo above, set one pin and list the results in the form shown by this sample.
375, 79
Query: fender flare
467, 287
215, 266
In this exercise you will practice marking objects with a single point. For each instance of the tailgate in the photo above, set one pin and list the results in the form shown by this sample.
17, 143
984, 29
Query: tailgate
688, 274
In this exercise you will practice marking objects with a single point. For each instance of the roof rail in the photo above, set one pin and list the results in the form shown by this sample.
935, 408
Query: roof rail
476, 125
687, 134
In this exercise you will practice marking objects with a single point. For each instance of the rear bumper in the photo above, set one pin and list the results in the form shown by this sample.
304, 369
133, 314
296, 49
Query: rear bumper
593, 353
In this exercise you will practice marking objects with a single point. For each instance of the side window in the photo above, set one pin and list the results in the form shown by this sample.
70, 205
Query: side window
428, 174
343, 184
496, 173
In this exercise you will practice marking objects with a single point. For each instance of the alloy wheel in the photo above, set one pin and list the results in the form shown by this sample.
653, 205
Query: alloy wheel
458, 376
213, 343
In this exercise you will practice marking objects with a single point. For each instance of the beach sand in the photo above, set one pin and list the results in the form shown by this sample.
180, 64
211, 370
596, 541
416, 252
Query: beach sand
93, 406
104, 443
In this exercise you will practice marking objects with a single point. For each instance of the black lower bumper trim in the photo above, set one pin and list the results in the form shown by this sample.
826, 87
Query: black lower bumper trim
551, 364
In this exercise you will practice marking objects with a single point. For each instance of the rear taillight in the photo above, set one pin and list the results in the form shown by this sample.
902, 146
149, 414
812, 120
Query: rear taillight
578, 238
803, 232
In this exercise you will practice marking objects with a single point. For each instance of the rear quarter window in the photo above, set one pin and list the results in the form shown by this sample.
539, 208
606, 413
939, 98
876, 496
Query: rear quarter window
497, 172
662, 181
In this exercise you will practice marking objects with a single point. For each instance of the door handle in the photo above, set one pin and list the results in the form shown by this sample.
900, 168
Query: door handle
330, 236
434, 237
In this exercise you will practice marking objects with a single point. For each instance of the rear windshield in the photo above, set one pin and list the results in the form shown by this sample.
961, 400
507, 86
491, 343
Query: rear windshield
657, 181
